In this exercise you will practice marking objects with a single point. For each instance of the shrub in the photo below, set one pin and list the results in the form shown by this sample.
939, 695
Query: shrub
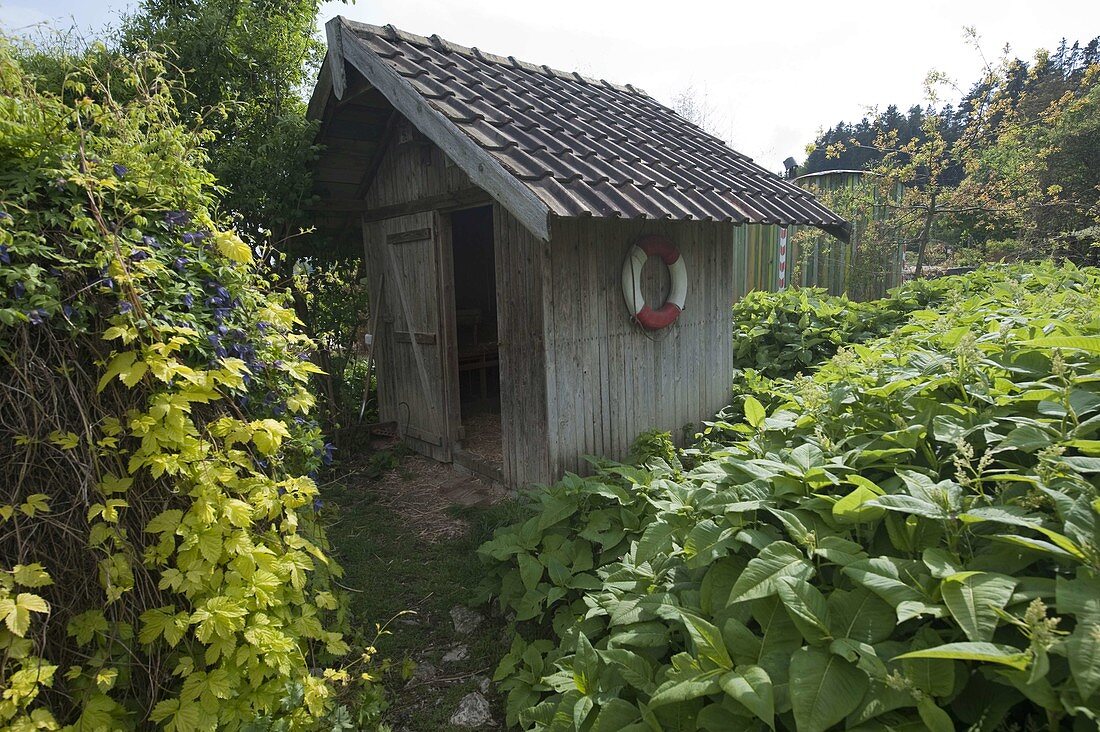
906, 539
783, 333
163, 561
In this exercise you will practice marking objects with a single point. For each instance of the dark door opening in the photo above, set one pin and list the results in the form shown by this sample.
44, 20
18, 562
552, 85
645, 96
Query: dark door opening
476, 332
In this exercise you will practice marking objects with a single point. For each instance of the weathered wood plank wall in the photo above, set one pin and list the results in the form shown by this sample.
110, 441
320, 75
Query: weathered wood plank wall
608, 380
521, 260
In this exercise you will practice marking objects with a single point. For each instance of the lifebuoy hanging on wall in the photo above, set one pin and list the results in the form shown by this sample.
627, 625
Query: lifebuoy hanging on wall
665, 315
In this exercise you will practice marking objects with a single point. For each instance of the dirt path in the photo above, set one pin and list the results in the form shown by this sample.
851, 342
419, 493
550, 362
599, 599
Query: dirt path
407, 542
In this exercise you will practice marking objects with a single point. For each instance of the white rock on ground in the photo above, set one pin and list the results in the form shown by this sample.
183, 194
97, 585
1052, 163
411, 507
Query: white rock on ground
465, 620
473, 711
456, 654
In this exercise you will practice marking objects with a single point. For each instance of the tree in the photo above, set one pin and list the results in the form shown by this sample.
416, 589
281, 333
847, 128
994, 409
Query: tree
248, 65
1017, 156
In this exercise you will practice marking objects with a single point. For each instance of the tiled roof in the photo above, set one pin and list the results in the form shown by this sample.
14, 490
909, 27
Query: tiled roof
588, 147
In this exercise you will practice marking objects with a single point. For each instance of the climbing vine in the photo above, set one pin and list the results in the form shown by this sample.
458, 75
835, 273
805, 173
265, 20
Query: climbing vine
163, 554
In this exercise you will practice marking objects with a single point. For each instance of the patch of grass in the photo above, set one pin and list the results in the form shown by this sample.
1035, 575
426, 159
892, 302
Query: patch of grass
391, 570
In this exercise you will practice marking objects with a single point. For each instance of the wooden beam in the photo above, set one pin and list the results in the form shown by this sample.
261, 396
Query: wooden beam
336, 55
482, 168
319, 99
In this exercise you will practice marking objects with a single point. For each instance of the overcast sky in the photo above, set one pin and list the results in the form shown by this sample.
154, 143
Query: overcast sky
774, 72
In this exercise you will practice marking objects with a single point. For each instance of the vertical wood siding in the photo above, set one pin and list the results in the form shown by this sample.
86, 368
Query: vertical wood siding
412, 169
607, 380
521, 261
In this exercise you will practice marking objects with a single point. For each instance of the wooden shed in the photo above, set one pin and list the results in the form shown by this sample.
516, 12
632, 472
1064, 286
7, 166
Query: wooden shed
498, 202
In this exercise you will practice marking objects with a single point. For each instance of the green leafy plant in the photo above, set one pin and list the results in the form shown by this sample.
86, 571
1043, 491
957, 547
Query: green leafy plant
164, 560
905, 539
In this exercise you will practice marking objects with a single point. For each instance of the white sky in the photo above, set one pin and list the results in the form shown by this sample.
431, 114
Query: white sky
774, 72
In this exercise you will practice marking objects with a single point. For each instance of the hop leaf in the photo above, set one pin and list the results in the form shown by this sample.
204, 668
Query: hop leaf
231, 246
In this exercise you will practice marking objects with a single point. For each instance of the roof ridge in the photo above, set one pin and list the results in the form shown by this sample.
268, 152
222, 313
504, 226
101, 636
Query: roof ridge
393, 33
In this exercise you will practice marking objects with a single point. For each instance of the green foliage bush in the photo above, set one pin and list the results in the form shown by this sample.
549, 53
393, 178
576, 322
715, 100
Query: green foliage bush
906, 539
163, 562
783, 333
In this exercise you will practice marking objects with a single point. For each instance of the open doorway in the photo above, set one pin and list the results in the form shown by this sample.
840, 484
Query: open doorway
476, 338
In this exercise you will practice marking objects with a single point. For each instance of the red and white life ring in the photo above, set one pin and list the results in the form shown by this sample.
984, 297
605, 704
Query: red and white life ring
665, 315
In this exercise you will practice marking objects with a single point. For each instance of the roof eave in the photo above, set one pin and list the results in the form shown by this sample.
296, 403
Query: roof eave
479, 165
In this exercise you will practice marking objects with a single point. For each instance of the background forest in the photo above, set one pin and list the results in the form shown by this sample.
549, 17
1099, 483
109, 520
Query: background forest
1009, 171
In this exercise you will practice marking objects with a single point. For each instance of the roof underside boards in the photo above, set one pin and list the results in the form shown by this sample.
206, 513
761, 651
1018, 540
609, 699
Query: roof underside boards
579, 147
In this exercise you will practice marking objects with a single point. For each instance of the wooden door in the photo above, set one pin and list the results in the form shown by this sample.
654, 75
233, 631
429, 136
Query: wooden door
414, 373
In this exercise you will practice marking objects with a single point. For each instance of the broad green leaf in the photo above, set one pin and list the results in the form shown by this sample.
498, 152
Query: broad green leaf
650, 634
983, 652
1091, 344
940, 562
755, 414
911, 505
656, 539
586, 666
686, 686
742, 643
615, 715
824, 689
778, 633
635, 669
974, 598
780, 559
751, 687
860, 615
1083, 649
807, 608
934, 718
31, 575
708, 640
530, 570
16, 611
933, 676
857, 507
706, 542
555, 510
1079, 597
883, 576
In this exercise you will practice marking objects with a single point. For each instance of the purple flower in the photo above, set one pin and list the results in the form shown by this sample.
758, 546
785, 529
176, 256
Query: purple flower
68, 310
262, 326
177, 218
194, 236
151, 242
17, 290
125, 306
5, 258
318, 504
188, 300
37, 316
327, 457
180, 263
4, 215
214, 340
139, 255
120, 170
